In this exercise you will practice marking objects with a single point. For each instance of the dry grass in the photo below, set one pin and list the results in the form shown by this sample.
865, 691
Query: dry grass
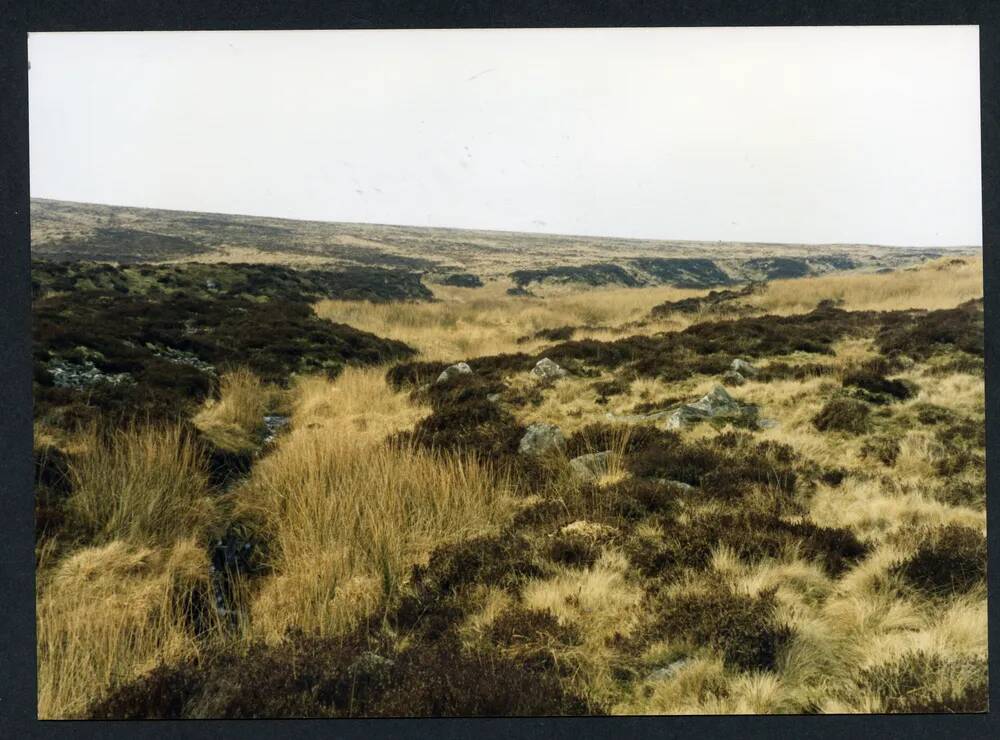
108, 614
347, 515
232, 420
937, 284
146, 485
465, 323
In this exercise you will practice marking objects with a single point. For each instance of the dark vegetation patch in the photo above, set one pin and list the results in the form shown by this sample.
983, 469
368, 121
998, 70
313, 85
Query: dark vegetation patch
171, 350
922, 683
778, 268
350, 676
753, 536
464, 419
613, 387
951, 559
725, 467
843, 415
920, 334
52, 487
599, 273
882, 449
229, 280
716, 301
876, 388
462, 280
121, 245
532, 637
743, 628
798, 371
682, 272
574, 550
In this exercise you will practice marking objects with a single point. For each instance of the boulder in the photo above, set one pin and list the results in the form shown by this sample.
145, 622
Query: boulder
731, 377
590, 467
453, 371
744, 368
542, 439
546, 369
716, 404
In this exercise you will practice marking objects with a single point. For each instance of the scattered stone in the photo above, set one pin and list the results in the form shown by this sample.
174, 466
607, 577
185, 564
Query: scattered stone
679, 486
744, 368
541, 439
273, 423
83, 374
590, 467
180, 357
668, 671
546, 369
453, 371
731, 377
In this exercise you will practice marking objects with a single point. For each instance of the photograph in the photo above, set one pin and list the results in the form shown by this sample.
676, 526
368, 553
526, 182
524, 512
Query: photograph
508, 372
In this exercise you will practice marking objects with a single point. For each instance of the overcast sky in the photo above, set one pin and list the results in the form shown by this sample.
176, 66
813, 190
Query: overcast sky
786, 135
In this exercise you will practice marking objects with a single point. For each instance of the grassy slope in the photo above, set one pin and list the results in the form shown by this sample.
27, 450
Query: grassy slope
588, 607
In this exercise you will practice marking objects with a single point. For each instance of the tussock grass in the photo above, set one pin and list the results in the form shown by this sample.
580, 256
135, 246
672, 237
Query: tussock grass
107, 614
463, 324
232, 420
146, 485
935, 285
347, 514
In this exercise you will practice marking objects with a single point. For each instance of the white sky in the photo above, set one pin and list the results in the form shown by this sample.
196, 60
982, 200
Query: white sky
789, 135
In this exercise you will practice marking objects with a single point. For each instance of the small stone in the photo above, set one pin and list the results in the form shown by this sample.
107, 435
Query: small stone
744, 368
731, 377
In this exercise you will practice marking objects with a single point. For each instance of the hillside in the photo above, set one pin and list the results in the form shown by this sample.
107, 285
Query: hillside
64, 231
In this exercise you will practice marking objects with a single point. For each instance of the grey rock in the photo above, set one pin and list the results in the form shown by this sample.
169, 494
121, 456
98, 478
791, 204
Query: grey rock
731, 377
680, 486
453, 371
83, 374
493, 397
744, 368
716, 404
274, 423
546, 369
590, 467
542, 439
667, 671
767, 423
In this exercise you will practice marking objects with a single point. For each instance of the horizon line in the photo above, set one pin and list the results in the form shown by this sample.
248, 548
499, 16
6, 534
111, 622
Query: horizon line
512, 231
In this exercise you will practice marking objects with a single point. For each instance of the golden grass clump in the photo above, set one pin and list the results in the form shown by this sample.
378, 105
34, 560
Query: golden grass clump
463, 324
146, 485
935, 285
232, 420
108, 614
347, 514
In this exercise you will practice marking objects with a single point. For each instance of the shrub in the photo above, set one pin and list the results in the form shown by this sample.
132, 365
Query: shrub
883, 449
743, 628
951, 560
877, 388
573, 550
921, 683
843, 415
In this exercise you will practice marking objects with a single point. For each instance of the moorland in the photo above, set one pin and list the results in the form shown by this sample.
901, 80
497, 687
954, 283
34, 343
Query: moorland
289, 469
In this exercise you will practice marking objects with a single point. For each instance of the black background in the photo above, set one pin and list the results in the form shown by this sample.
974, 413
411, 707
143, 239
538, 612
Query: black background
17, 619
